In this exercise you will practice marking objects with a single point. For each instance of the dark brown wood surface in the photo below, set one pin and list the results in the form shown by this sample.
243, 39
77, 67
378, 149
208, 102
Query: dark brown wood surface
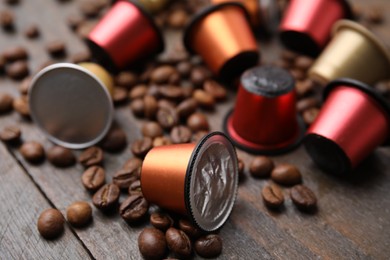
353, 220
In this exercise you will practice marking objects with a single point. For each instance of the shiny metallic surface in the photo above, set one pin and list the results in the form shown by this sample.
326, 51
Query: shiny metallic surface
354, 118
354, 52
264, 119
222, 35
199, 181
153, 5
125, 34
71, 105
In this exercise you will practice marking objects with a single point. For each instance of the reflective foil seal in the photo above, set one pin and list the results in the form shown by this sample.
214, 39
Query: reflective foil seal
199, 181
127, 33
222, 35
353, 121
71, 104
306, 25
264, 119
355, 53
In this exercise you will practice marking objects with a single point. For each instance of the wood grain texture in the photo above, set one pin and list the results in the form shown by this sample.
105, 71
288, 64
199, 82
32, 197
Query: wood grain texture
353, 220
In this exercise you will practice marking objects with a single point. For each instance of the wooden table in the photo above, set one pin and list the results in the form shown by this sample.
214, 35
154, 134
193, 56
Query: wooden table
353, 220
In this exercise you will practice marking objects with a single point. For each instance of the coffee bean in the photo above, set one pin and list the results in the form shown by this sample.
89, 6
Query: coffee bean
164, 103
132, 163
181, 134
17, 70
12, 2
178, 242
187, 107
106, 197
32, 31
187, 227
284, 64
15, 53
142, 146
304, 88
161, 74
167, 118
272, 196
178, 18
383, 87
172, 93
261, 167
119, 96
209, 246
91, 156
198, 135
286, 174
303, 63
215, 89
134, 208
154, 91
79, 213
115, 140
6, 101
152, 243
204, 99
184, 68
90, 8
125, 176
145, 75
138, 107
150, 107
307, 103
187, 91
241, 168
310, 115
198, 122
161, 140
374, 15
21, 106
10, 134
7, 20
288, 56
174, 79
32, 151
51, 223
74, 21
93, 178
126, 79
83, 56
139, 91
152, 130
161, 221
85, 28
135, 188
60, 156
25, 85
2, 63
56, 48
303, 198
199, 75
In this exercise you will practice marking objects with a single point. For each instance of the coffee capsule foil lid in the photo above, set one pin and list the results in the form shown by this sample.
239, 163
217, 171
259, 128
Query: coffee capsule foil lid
70, 105
212, 181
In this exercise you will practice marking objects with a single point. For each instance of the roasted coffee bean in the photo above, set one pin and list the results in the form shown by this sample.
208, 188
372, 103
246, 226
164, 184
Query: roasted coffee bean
303, 198
241, 168
161, 221
154, 91
51, 223
374, 15
198, 135
161, 140
152, 130
132, 163
106, 197
17, 70
310, 115
150, 107
152, 243
215, 89
288, 56
187, 107
209, 246
21, 106
134, 208
178, 18
56, 48
125, 176
10, 134
304, 87
6, 101
139, 91
286, 174
307, 103
126, 79
119, 96
204, 99
142, 146
198, 122
83, 56
93, 178
25, 85
138, 107
145, 76
187, 90
74, 21
284, 64
171, 92
32, 31
181, 134
272, 196
115, 140
199, 75
383, 88
184, 68
91, 156
178, 242
12, 2
303, 63
79, 213
187, 227
90, 8
161, 74
61, 156
298, 74
15, 53
174, 79
7, 20
32, 151
164, 103
135, 188
2, 63
167, 118
261, 167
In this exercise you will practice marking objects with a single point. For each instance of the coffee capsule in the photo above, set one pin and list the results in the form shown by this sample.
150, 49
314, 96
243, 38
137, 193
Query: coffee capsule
71, 103
264, 119
353, 121
221, 34
197, 180
125, 34
355, 53
307, 24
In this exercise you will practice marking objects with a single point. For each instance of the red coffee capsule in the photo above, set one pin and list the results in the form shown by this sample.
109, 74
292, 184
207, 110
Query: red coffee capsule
199, 181
125, 34
307, 24
222, 35
353, 121
264, 120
